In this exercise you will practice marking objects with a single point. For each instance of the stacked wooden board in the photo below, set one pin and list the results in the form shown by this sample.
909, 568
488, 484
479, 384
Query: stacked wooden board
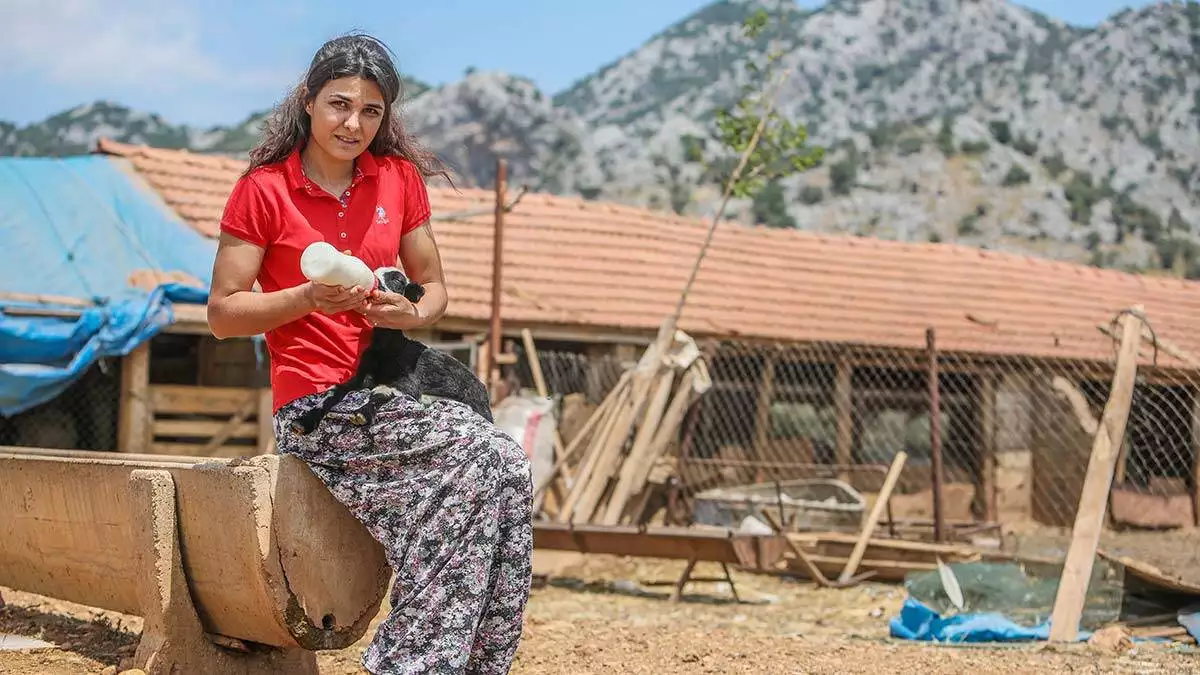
628, 435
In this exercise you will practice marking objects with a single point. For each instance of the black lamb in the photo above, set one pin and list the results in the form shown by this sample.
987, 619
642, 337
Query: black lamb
394, 363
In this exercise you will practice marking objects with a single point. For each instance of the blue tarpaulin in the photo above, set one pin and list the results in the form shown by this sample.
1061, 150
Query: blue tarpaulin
918, 621
79, 227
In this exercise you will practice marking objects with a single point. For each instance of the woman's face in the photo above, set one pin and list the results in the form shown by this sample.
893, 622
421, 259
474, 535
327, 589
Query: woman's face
346, 115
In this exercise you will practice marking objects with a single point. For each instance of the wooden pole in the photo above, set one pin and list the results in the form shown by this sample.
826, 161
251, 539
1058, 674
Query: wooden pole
135, 426
986, 484
1093, 499
493, 351
844, 405
935, 438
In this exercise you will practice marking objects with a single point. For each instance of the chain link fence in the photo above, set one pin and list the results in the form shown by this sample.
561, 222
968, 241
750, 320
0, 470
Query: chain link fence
83, 417
1014, 432
197, 383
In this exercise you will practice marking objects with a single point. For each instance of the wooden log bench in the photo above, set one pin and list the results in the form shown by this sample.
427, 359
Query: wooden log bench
210, 552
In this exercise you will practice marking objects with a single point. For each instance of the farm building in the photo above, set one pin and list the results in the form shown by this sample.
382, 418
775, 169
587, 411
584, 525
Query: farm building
820, 346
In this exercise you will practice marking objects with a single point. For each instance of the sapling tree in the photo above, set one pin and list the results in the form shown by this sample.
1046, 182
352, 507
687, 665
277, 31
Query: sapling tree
769, 147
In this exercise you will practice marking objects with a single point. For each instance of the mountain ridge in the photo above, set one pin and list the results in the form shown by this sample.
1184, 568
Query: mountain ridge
977, 121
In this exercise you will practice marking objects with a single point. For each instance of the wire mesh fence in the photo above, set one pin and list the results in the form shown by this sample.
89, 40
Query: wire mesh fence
1014, 432
82, 417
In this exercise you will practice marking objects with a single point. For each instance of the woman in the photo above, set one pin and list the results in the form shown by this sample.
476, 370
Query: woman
445, 492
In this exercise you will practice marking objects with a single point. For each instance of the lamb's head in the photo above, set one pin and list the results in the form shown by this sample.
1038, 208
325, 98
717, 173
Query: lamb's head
394, 280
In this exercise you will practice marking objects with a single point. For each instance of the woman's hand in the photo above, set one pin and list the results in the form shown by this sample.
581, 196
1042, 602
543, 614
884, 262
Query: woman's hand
392, 310
335, 299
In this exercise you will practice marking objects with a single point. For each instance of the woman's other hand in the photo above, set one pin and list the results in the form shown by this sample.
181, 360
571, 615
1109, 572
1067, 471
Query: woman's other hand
335, 299
392, 310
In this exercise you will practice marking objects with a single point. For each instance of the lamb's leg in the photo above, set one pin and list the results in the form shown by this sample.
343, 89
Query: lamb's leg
380, 394
306, 423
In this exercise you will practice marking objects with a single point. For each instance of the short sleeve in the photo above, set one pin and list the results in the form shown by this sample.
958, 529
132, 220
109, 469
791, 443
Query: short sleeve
416, 200
247, 214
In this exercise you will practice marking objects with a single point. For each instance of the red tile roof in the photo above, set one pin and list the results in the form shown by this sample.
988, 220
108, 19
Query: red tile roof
589, 264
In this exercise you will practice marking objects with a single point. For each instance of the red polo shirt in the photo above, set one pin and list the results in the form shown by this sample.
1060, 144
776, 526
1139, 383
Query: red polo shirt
278, 209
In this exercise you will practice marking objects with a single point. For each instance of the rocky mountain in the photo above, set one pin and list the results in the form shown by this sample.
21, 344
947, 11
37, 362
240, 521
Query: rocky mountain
977, 121
75, 131
488, 114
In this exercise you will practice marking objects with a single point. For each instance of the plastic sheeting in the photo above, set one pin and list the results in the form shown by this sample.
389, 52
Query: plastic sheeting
79, 227
918, 621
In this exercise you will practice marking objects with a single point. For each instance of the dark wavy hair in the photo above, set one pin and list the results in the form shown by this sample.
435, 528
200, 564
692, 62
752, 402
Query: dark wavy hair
354, 54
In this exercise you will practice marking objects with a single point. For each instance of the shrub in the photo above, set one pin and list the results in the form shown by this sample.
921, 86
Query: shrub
1015, 176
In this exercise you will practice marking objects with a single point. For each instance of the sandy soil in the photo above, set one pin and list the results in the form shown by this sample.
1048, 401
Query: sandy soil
600, 615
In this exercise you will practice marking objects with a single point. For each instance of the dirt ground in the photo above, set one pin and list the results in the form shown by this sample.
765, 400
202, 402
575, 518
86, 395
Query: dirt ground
601, 614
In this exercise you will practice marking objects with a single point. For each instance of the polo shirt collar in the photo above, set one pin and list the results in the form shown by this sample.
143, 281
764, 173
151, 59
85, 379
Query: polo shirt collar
364, 166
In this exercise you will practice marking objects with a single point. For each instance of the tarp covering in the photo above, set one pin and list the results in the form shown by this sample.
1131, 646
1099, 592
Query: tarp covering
79, 227
917, 621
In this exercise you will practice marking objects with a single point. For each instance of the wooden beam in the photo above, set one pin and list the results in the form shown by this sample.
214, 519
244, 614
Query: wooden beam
136, 418
843, 402
986, 484
762, 410
885, 493
1093, 499
539, 382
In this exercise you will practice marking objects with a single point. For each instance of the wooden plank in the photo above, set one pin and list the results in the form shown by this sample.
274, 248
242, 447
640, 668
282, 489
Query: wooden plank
535, 366
249, 407
1093, 500
885, 493
199, 450
897, 548
639, 469
204, 429
608, 458
654, 542
600, 414
884, 570
137, 406
42, 299
620, 403
625, 486
183, 399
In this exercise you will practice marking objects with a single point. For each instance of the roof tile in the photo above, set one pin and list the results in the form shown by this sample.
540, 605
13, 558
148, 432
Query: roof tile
571, 261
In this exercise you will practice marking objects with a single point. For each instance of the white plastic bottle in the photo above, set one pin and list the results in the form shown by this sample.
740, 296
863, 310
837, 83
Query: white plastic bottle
324, 264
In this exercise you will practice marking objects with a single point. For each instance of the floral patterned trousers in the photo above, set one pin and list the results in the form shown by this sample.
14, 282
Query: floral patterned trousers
449, 496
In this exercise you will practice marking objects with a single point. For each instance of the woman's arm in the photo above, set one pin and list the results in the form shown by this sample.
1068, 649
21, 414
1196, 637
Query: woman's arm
235, 310
422, 262
419, 253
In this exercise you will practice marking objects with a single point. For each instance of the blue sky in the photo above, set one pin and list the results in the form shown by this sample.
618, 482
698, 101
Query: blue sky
215, 61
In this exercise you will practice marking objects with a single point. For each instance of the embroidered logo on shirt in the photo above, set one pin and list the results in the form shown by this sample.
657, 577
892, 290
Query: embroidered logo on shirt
380, 216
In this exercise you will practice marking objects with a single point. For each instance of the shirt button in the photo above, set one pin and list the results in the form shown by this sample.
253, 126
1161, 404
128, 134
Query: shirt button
343, 235
341, 213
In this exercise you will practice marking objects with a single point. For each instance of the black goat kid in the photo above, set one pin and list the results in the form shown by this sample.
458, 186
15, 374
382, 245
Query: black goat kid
395, 363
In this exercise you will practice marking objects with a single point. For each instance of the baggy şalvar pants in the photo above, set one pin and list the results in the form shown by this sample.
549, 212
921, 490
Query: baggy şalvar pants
448, 494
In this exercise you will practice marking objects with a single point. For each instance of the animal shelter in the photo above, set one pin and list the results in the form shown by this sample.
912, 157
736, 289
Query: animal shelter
827, 353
